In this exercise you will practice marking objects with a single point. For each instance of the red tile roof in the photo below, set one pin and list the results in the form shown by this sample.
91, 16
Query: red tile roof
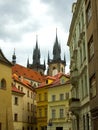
14, 89
27, 73
56, 80
22, 81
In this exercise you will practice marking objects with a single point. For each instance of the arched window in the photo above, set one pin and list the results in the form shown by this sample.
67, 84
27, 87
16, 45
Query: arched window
3, 83
55, 71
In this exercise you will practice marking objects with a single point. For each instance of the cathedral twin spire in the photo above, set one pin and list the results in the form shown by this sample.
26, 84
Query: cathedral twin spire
56, 52
36, 53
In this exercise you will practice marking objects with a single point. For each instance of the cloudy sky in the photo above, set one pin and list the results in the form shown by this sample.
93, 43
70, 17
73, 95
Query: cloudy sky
22, 20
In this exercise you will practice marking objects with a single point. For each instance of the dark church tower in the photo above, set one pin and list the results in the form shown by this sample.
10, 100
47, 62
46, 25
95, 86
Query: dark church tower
14, 58
56, 65
36, 65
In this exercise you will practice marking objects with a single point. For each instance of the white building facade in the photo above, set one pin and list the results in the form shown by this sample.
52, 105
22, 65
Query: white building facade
79, 104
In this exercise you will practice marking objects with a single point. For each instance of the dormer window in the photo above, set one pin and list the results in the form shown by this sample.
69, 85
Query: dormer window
47, 81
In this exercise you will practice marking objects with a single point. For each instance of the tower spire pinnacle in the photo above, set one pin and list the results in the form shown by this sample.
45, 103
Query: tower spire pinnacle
14, 57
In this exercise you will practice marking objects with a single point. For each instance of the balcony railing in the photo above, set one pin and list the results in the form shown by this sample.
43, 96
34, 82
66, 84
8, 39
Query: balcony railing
74, 104
74, 76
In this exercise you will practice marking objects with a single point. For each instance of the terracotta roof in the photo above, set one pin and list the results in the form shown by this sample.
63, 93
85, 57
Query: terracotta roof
22, 81
14, 89
56, 80
27, 73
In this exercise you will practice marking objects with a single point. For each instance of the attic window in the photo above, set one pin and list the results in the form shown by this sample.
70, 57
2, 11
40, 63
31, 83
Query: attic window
47, 81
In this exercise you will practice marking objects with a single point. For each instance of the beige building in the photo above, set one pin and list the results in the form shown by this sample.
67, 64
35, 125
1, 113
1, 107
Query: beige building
92, 49
25, 81
59, 116
17, 107
23, 104
77, 42
6, 121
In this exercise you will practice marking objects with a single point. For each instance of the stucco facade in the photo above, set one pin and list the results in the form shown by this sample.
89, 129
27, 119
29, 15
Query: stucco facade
77, 42
92, 48
24, 112
6, 121
59, 116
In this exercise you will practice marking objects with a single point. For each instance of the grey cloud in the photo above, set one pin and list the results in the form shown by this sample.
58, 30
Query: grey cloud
16, 19
60, 10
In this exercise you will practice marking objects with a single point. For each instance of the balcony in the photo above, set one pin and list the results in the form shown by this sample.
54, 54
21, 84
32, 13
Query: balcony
74, 104
74, 76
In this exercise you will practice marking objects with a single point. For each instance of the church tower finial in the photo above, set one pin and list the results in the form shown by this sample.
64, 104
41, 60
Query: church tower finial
56, 49
36, 53
14, 58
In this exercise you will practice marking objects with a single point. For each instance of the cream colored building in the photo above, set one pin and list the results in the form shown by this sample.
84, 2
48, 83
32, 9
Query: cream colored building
23, 104
77, 42
6, 121
17, 106
59, 116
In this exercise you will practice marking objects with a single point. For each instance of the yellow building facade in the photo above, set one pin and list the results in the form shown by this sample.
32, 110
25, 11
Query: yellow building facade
6, 121
59, 116
42, 104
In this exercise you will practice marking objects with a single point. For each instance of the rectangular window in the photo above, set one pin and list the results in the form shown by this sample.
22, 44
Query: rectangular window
61, 113
61, 96
66, 95
45, 112
91, 48
53, 97
39, 97
0, 126
16, 101
93, 86
40, 112
28, 106
53, 113
45, 96
88, 13
28, 93
15, 117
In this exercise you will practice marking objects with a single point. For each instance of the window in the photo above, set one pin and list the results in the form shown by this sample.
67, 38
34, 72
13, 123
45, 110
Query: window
28, 93
93, 86
15, 117
16, 101
90, 48
28, 119
40, 97
53, 113
87, 116
45, 112
84, 51
45, 96
47, 81
3, 83
18, 87
31, 95
84, 122
88, 13
21, 89
53, 97
61, 96
61, 113
28, 106
0, 126
66, 95
40, 112
31, 107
